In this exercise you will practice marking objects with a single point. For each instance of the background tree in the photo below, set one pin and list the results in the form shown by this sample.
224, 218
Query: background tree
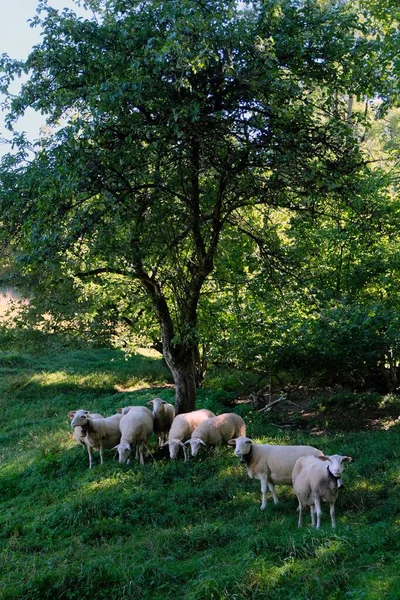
182, 122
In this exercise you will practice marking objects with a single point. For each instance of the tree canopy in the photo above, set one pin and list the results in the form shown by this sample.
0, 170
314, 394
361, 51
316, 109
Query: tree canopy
193, 143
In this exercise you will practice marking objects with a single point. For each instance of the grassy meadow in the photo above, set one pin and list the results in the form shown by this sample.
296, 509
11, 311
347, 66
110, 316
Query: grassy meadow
167, 529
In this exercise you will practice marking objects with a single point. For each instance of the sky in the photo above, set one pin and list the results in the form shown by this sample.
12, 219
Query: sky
17, 39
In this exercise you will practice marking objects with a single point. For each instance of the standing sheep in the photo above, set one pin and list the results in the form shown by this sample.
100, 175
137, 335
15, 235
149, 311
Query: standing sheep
80, 434
316, 479
181, 430
100, 434
270, 464
216, 431
136, 427
163, 414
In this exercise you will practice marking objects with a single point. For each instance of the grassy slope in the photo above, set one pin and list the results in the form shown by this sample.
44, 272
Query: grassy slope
169, 529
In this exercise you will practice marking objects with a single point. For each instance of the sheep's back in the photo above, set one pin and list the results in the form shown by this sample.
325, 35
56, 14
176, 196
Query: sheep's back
279, 461
230, 425
184, 424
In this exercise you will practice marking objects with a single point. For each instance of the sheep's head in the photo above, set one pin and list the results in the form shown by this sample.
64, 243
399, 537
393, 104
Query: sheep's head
242, 445
157, 404
124, 452
336, 463
174, 446
80, 418
194, 444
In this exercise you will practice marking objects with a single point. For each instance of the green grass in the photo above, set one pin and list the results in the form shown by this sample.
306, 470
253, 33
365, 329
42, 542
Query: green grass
167, 529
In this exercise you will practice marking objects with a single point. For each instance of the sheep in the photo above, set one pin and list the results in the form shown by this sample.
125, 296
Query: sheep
163, 414
136, 427
79, 435
315, 480
216, 431
269, 463
181, 430
100, 434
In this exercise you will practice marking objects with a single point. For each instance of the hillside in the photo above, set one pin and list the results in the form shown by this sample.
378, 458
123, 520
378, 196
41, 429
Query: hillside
169, 529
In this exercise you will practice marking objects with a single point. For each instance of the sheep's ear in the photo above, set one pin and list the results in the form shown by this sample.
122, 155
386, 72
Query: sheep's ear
231, 443
118, 410
323, 457
201, 442
181, 444
347, 459
164, 444
72, 414
115, 447
151, 402
187, 443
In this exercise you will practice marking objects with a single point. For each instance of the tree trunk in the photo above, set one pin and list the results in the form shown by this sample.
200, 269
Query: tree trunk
182, 364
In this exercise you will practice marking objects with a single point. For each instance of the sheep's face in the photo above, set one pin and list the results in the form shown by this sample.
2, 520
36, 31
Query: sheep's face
242, 445
124, 452
174, 446
80, 418
157, 405
195, 444
336, 463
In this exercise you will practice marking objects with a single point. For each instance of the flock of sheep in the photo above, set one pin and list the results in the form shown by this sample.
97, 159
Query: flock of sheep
315, 477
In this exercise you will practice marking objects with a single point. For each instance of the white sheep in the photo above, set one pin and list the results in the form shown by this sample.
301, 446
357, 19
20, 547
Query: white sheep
163, 414
136, 427
269, 463
181, 430
216, 431
99, 434
78, 433
316, 479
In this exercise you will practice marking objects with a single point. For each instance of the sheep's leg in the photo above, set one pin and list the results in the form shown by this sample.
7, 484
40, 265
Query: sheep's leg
300, 509
273, 492
90, 453
263, 480
312, 512
185, 453
140, 447
318, 511
332, 512
101, 454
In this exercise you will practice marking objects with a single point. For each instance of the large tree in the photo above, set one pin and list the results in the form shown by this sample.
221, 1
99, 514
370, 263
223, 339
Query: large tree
175, 122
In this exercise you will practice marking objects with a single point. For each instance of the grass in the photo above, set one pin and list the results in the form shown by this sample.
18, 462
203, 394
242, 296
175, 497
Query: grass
169, 529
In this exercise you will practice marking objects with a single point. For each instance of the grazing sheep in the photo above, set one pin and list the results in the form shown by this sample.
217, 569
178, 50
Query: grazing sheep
216, 431
315, 479
181, 430
136, 427
270, 464
99, 434
163, 414
79, 435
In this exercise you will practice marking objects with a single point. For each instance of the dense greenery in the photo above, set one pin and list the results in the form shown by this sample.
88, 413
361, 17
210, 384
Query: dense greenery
212, 180
170, 529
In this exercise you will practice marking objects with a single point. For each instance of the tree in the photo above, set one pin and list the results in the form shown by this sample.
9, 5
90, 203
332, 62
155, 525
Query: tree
180, 121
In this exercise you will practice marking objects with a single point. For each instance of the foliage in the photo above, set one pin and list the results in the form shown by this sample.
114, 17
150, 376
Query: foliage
169, 529
180, 129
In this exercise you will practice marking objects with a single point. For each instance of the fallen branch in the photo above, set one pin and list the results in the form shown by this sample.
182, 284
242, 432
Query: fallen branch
272, 404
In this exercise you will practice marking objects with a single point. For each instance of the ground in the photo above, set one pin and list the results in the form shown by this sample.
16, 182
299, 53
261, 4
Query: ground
321, 410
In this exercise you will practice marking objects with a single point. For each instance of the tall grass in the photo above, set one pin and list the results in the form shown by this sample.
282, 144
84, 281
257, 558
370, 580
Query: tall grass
169, 529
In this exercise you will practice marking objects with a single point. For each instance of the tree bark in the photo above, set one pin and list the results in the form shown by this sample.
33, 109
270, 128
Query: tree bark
183, 370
